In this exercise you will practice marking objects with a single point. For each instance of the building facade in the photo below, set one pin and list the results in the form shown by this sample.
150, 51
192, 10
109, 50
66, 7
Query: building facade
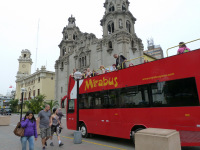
83, 50
154, 50
40, 82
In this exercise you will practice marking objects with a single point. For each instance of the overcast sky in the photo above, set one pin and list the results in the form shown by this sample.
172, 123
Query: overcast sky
166, 21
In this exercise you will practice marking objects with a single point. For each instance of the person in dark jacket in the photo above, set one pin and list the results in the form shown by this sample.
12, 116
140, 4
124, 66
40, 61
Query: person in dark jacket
30, 131
120, 60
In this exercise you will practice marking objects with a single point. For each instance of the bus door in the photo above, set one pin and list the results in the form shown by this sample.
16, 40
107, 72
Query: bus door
113, 116
100, 112
71, 114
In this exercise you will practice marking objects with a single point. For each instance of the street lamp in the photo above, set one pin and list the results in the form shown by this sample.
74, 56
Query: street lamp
22, 90
77, 133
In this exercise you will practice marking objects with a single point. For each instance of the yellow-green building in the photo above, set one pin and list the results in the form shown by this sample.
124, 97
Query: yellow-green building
40, 82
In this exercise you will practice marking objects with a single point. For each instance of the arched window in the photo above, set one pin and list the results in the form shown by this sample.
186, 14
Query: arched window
24, 55
120, 23
110, 27
82, 60
128, 26
132, 44
111, 7
64, 51
66, 37
74, 36
62, 65
123, 7
109, 44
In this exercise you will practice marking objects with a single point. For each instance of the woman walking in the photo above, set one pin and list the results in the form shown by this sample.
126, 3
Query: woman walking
55, 127
30, 131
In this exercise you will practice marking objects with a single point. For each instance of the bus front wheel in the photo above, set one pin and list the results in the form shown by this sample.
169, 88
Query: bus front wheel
83, 129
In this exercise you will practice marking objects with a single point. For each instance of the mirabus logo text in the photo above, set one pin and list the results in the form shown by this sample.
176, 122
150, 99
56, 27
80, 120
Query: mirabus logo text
90, 84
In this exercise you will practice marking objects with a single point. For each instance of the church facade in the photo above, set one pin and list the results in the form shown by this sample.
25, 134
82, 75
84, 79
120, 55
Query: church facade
83, 50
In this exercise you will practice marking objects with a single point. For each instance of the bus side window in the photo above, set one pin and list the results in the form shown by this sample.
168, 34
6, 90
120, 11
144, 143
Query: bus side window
113, 98
84, 101
71, 106
158, 94
135, 96
143, 96
181, 92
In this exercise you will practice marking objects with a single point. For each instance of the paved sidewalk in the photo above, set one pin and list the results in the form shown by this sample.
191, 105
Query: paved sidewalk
8, 141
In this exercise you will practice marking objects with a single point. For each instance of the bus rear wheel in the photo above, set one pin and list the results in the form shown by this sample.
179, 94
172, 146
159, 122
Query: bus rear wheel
83, 129
133, 134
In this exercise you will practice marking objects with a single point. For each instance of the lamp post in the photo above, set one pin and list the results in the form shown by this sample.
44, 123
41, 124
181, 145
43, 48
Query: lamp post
22, 90
77, 133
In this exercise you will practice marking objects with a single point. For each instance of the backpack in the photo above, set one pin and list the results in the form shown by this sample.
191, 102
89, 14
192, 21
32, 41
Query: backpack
186, 50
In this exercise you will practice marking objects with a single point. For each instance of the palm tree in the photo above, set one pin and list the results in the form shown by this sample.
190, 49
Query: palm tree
36, 103
52, 103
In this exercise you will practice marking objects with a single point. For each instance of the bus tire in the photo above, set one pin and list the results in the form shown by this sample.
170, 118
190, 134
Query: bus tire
83, 129
133, 134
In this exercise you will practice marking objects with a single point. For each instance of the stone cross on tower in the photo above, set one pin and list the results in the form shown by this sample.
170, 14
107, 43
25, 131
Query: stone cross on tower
71, 20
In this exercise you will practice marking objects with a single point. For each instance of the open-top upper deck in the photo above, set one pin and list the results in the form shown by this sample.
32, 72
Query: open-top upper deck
175, 67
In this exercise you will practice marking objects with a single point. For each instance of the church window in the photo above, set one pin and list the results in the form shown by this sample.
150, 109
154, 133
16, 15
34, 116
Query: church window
111, 7
62, 65
64, 51
74, 36
110, 27
109, 44
38, 79
24, 55
83, 64
82, 60
123, 7
120, 23
128, 26
132, 44
79, 62
66, 37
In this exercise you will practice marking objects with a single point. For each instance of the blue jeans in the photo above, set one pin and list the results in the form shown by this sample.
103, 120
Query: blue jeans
24, 140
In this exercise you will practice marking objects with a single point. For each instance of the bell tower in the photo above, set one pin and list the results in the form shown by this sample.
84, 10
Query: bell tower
117, 18
25, 63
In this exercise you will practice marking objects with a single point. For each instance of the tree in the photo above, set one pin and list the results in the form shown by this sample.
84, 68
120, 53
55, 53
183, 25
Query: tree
35, 104
52, 103
13, 105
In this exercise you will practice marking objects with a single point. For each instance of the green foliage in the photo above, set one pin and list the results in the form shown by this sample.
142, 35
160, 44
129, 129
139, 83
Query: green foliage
52, 103
13, 105
35, 104
24, 110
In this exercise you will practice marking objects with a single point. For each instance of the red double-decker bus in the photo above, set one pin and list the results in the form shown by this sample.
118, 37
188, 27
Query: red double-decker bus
159, 94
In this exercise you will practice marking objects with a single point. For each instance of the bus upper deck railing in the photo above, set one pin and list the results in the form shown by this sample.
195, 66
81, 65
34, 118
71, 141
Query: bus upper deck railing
180, 45
131, 60
109, 68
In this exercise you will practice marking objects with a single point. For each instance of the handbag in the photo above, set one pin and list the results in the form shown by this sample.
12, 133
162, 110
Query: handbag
19, 131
